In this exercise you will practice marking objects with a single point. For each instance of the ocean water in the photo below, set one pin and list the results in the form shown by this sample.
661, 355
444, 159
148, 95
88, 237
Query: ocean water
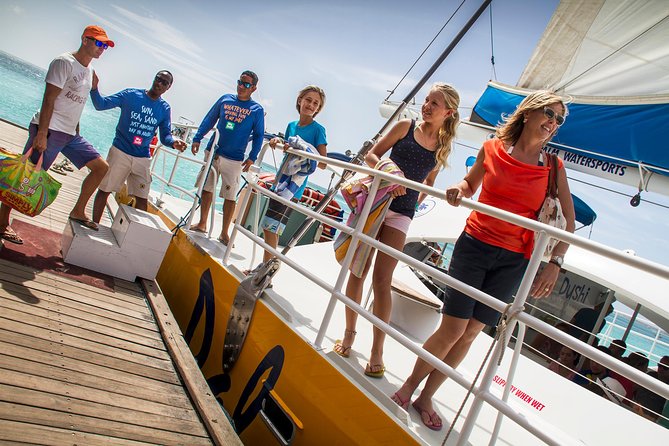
22, 87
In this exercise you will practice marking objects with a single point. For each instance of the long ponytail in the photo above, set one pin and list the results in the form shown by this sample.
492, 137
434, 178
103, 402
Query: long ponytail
450, 124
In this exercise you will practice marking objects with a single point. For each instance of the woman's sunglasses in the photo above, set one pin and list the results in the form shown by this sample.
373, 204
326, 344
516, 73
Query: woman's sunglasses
102, 45
552, 114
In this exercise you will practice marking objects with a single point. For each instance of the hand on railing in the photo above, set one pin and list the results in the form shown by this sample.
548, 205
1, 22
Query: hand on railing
246, 164
179, 145
195, 147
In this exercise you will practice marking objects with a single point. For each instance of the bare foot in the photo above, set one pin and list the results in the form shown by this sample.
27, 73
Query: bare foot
403, 396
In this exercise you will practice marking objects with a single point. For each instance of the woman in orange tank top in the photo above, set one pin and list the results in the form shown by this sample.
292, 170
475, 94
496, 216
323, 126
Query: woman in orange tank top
491, 255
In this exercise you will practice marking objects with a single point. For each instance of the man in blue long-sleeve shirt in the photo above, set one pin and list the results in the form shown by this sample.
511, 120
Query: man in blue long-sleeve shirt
129, 158
236, 117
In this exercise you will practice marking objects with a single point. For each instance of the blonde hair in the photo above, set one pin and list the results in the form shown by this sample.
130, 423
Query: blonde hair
308, 89
450, 124
513, 125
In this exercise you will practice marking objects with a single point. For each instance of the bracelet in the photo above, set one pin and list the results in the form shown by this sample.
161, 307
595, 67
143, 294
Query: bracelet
554, 263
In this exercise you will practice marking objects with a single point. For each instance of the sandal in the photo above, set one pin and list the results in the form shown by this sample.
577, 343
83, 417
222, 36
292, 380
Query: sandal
85, 222
434, 419
58, 169
11, 236
339, 348
378, 373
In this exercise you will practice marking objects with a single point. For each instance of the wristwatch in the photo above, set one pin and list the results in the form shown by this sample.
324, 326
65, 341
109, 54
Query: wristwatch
557, 260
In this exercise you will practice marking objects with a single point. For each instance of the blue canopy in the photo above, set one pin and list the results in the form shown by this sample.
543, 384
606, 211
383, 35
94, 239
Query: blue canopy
633, 133
584, 213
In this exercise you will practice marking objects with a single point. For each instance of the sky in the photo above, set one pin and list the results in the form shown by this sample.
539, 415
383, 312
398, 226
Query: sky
356, 50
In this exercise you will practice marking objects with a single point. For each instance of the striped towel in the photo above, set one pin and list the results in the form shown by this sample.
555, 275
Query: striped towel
294, 169
355, 194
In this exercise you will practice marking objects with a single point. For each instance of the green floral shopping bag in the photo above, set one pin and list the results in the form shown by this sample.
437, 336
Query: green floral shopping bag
25, 186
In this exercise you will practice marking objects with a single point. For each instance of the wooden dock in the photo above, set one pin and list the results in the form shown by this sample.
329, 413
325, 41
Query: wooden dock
83, 365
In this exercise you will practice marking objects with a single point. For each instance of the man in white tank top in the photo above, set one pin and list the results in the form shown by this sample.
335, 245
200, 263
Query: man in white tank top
55, 127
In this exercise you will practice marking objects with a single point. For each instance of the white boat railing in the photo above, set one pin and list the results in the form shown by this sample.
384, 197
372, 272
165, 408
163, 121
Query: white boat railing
482, 392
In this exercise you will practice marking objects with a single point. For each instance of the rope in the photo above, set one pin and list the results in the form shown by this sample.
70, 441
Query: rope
391, 92
492, 48
502, 326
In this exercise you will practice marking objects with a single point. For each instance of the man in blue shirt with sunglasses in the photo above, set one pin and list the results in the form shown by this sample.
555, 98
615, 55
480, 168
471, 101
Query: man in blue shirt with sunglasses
142, 112
236, 117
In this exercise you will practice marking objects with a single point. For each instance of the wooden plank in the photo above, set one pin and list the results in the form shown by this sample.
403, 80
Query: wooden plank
33, 276
111, 401
210, 411
71, 371
49, 436
157, 387
77, 334
69, 316
106, 302
86, 312
68, 404
86, 350
109, 361
111, 428
107, 398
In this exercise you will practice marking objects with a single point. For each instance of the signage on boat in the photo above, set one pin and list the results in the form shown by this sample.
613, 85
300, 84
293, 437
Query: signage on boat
538, 405
246, 409
571, 293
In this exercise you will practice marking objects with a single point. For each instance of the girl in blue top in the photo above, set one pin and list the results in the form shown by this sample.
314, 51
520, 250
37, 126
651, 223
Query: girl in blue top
310, 102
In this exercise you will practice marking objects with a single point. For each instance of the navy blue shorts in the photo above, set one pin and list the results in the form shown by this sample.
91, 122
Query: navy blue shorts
75, 147
491, 269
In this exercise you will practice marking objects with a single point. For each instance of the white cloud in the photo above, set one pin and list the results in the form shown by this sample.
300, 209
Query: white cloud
165, 42
16, 9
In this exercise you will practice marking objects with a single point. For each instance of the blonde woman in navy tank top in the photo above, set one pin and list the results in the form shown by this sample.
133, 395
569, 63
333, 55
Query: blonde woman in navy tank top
420, 151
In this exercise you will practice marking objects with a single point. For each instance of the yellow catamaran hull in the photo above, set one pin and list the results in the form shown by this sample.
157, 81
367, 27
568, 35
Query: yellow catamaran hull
310, 399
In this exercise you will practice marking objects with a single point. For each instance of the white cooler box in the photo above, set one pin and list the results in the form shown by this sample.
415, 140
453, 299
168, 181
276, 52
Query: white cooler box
133, 247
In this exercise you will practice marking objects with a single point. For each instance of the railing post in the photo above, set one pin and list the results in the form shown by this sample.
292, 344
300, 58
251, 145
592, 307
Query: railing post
343, 271
207, 165
516, 306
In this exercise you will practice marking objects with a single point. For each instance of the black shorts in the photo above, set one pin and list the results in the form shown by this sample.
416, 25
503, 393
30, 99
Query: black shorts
495, 271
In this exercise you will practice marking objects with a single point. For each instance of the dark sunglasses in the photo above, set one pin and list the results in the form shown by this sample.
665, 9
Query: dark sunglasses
162, 81
552, 114
102, 45
241, 83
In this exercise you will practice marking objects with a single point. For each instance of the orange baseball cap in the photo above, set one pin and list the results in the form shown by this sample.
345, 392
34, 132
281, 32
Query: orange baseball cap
98, 33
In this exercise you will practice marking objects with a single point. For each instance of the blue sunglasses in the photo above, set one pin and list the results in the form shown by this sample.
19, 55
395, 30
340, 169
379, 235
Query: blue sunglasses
244, 84
102, 45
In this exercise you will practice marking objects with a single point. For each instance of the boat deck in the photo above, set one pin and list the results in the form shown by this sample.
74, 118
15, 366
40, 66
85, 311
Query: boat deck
96, 360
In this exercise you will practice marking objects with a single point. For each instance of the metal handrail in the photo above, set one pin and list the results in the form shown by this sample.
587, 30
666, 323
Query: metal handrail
482, 391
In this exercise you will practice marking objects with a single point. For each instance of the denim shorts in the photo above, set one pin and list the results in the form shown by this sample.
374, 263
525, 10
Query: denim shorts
495, 271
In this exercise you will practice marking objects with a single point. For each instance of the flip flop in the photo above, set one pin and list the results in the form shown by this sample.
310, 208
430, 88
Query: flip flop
377, 374
435, 420
86, 222
344, 352
11, 236
58, 169
404, 404
220, 240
